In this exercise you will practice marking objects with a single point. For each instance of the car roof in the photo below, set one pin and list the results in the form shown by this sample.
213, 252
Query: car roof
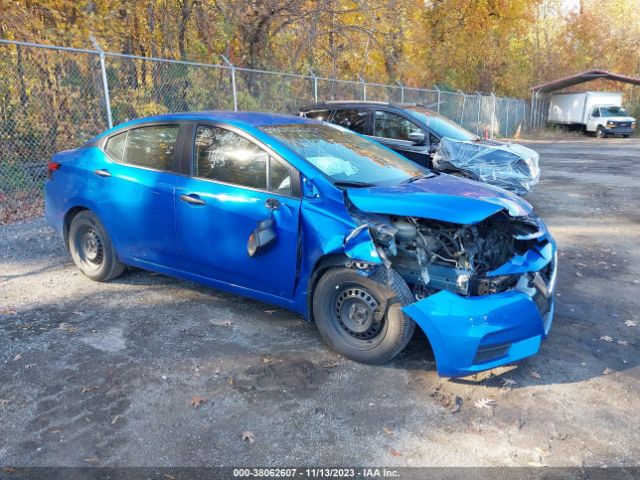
356, 103
255, 119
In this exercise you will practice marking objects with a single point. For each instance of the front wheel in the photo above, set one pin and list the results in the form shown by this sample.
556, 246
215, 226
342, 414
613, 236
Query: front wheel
360, 317
91, 248
600, 133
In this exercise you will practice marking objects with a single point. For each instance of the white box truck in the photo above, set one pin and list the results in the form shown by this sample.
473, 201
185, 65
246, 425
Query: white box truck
596, 112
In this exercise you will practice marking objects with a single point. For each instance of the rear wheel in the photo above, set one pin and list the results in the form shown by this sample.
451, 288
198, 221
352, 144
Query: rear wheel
600, 133
91, 248
626, 136
361, 317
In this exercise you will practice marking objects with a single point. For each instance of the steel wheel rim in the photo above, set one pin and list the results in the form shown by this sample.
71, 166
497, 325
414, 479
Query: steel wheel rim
90, 248
356, 316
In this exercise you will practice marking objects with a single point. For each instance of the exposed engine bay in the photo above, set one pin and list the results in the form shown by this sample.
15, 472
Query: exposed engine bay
433, 256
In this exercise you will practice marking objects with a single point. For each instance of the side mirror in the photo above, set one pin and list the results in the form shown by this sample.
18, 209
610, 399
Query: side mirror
262, 237
417, 137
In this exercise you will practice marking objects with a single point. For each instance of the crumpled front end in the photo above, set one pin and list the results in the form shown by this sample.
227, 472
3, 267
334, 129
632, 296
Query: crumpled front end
470, 334
484, 291
506, 165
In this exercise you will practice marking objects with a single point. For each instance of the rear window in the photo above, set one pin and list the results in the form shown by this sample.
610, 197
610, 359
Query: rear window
322, 115
151, 147
115, 146
352, 119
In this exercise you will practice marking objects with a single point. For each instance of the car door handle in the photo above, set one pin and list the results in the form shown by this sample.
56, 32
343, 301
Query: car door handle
193, 199
102, 172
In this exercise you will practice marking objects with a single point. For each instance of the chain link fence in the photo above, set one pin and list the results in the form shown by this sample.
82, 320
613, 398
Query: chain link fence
55, 98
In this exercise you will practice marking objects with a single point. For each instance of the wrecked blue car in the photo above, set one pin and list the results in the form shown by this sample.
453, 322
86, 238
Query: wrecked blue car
317, 219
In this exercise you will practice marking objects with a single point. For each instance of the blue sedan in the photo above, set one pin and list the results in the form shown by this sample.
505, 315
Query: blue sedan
317, 219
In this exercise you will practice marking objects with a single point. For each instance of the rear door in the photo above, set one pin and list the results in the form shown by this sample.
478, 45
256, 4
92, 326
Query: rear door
235, 183
393, 130
133, 184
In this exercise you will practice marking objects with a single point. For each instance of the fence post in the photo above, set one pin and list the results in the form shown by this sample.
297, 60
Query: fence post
315, 85
401, 91
438, 105
493, 113
479, 107
233, 82
364, 87
506, 128
105, 82
464, 99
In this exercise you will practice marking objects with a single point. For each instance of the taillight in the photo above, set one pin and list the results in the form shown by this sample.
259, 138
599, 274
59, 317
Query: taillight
52, 167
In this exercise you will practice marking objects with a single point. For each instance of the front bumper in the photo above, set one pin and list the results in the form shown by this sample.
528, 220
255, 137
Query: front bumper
617, 130
472, 334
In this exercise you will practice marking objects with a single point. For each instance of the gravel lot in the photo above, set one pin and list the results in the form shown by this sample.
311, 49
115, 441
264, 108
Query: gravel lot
103, 374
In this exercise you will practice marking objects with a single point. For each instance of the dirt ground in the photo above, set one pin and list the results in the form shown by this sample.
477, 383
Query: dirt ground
152, 371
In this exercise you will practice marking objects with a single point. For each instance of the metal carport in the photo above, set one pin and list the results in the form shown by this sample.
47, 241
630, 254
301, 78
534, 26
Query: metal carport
539, 93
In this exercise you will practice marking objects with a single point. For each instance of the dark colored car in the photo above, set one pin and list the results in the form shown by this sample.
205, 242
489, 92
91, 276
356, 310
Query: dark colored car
316, 219
434, 141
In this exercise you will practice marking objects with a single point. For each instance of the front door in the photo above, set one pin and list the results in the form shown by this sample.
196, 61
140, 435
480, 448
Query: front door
234, 185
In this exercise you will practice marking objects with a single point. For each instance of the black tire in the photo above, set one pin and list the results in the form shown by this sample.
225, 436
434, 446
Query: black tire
91, 248
626, 136
360, 317
600, 133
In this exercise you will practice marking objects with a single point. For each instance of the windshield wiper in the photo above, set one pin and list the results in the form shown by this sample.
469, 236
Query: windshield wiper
419, 177
353, 183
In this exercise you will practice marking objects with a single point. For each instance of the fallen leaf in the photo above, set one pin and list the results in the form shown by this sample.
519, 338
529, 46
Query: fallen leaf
17, 357
196, 401
115, 419
9, 470
266, 360
65, 327
535, 375
606, 338
507, 382
89, 389
394, 453
7, 311
248, 436
169, 477
4, 402
485, 403
387, 431
631, 323
622, 342
607, 371
30, 365
230, 381
578, 274
93, 459
224, 323
270, 312
77, 313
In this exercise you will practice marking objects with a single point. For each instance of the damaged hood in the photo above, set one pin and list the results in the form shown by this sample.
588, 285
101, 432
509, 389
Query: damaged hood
441, 197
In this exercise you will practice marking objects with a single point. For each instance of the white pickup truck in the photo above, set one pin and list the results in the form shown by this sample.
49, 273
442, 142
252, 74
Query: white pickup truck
596, 112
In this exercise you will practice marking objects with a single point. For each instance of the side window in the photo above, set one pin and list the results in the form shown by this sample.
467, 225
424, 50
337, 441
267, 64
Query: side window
115, 146
227, 157
595, 112
152, 146
394, 126
352, 119
279, 178
318, 115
